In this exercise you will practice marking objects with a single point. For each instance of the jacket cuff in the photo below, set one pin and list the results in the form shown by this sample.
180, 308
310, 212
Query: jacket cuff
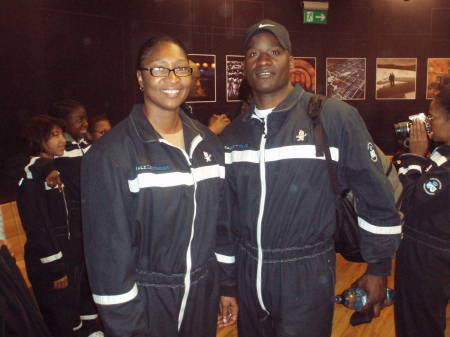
229, 291
382, 268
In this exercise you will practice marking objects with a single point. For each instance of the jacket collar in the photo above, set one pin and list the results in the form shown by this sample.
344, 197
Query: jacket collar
147, 133
286, 105
441, 155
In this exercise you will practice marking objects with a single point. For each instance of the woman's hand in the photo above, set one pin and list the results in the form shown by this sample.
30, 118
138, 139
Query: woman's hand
418, 139
228, 311
61, 283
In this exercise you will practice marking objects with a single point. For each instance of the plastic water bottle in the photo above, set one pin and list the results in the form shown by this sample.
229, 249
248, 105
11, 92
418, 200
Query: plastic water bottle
356, 298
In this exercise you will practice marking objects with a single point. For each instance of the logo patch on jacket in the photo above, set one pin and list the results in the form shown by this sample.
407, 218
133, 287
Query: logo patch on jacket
301, 136
372, 152
432, 186
207, 156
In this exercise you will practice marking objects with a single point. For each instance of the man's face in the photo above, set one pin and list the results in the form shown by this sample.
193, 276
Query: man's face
267, 65
76, 123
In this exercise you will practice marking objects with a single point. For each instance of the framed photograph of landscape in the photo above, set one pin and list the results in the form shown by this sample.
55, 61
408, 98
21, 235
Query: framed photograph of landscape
204, 79
437, 69
304, 73
396, 78
346, 78
234, 76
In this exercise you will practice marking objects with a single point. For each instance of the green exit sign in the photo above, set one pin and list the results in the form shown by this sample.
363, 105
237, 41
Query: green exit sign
314, 16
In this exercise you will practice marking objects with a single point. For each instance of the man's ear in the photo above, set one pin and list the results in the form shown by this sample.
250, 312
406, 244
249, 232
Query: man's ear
291, 63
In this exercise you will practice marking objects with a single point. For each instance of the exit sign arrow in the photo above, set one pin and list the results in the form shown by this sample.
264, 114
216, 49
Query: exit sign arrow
315, 16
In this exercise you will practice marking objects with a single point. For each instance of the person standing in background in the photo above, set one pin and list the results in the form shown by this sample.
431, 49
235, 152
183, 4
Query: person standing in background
422, 279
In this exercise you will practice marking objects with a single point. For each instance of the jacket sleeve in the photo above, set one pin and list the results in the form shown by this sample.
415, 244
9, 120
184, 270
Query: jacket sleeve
360, 171
419, 176
225, 251
109, 244
33, 210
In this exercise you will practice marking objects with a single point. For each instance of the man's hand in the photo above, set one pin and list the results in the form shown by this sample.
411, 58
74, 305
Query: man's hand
53, 179
8, 246
61, 283
228, 311
375, 288
418, 139
218, 122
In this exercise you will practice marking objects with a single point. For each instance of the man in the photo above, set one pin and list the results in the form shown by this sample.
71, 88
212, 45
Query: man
280, 204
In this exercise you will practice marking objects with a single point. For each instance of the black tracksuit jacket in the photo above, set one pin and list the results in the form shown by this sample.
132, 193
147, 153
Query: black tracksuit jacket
150, 226
422, 278
280, 204
51, 219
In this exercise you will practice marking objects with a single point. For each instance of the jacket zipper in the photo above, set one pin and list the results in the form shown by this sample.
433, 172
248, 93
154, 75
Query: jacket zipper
61, 189
187, 277
262, 175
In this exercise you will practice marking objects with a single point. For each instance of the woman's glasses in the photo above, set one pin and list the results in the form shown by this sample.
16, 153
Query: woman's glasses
164, 72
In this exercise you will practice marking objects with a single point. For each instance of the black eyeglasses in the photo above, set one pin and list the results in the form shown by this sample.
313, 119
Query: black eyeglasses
164, 72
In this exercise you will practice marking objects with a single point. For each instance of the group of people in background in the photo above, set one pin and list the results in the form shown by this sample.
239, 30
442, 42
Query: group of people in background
180, 232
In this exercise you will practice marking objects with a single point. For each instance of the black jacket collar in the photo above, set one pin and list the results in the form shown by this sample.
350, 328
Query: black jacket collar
147, 133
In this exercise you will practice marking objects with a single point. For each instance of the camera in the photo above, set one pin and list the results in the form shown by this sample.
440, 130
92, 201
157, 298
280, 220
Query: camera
403, 129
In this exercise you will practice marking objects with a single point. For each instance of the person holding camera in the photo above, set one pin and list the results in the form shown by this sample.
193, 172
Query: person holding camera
422, 279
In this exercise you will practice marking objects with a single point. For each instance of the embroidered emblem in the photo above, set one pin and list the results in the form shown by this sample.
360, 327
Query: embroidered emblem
207, 156
301, 136
372, 152
432, 186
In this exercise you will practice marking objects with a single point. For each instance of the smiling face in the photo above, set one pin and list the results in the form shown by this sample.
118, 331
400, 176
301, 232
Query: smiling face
77, 123
55, 144
267, 68
164, 93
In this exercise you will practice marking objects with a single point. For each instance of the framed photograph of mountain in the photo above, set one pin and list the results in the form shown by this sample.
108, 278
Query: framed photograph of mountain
396, 78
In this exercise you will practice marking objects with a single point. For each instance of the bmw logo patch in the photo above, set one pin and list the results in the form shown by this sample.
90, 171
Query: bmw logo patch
372, 152
432, 186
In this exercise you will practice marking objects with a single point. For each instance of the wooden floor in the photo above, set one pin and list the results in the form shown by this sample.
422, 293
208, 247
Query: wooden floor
383, 326
346, 273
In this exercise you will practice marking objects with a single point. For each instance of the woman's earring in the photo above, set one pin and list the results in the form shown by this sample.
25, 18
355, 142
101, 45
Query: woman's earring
141, 87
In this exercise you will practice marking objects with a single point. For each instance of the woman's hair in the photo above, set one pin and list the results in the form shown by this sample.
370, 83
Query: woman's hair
61, 109
443, 97
94, 119
148, 45
38, 130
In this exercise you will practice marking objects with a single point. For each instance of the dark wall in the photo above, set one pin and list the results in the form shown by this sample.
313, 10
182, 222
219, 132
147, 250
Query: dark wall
53, 49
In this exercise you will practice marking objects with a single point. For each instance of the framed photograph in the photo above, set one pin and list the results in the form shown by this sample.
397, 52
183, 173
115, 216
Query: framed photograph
204, 79
437, 69
396, 78
346, 78
234, 76
304, 73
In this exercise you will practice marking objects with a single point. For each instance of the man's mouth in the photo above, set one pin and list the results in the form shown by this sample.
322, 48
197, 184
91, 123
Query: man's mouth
264, 74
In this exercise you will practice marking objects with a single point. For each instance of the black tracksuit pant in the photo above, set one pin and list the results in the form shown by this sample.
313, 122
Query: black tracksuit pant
422, 284
297, 290
59, 307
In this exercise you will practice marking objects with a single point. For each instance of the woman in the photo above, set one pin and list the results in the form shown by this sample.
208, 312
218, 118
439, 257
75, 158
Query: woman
53, 247
422, 278
99, 125
150, 192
